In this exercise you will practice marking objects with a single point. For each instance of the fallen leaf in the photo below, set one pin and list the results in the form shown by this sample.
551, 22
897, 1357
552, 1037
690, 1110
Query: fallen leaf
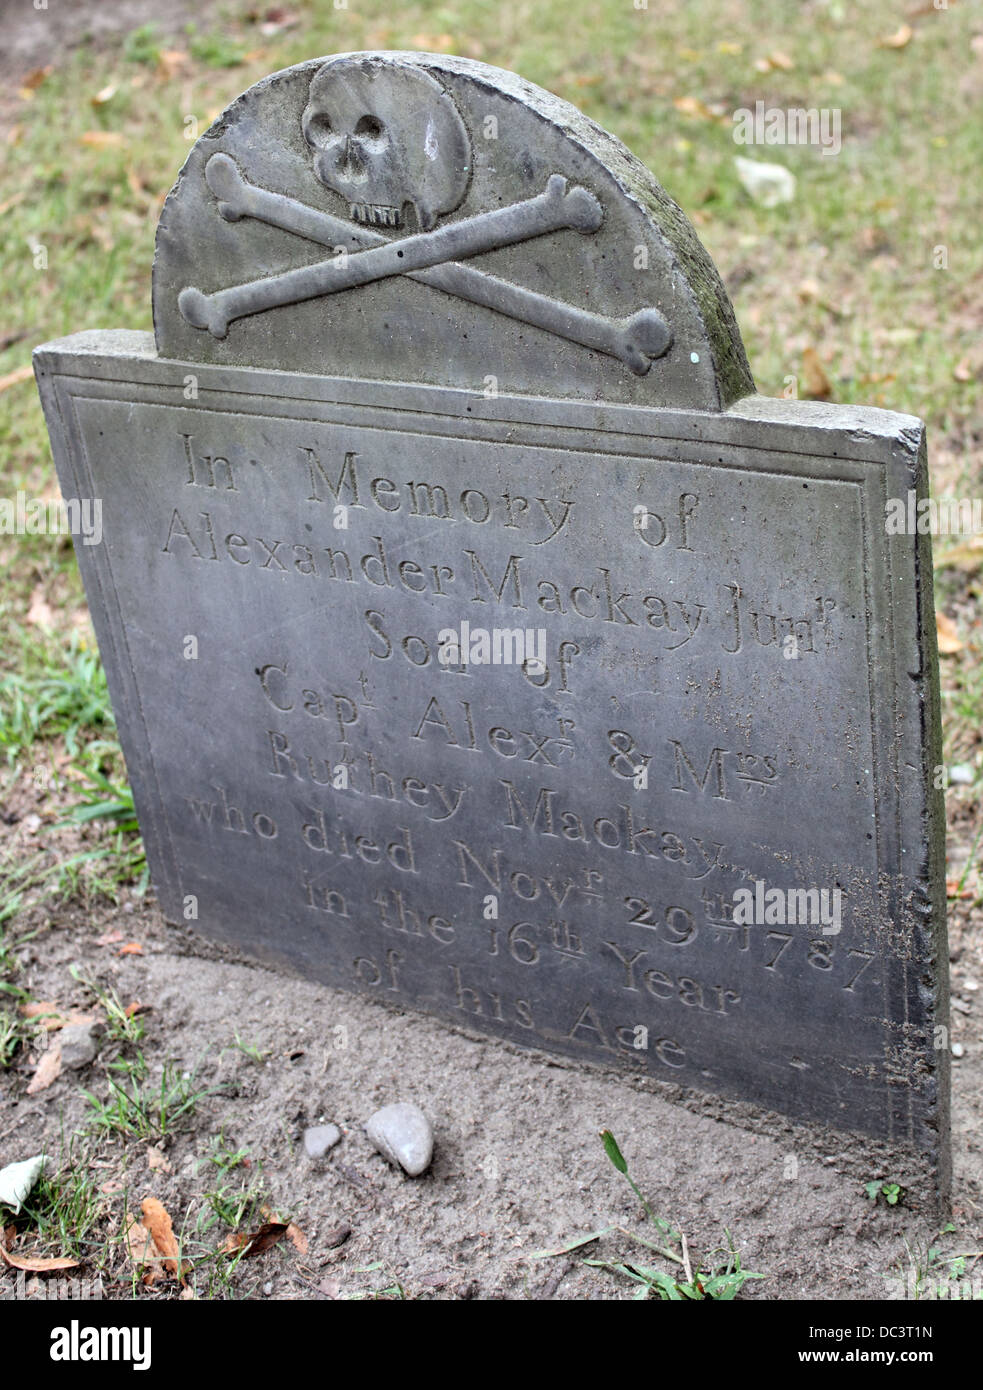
170, 60
953, 890
297, 1238
102, 139
132, 948
899, 39
157, 1161
158, 1223
40, 613
110, 937
17, 375
103, 95
46, 1013
817, 383
963, 370
48, 1070
140, 1248
35, 1266
255, 1244
778, 59
768, 184
17, 1180
135, 1008
949, 640
693, 106
35, 78
112, 1185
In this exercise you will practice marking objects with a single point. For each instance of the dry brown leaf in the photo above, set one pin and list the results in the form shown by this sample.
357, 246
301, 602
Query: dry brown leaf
103, 95
110, 937
952, 889
693, 106
255, 1244
158, 1223
34, 79
963, 370
778, 59
136, 1007
949, 640
48, 1070
132, 948
170, 61
102, 139
32, 1265
51, 1020
18, 374
817, 387
140, 1248
297, 1239
111, 1185
157, 1161
899, 39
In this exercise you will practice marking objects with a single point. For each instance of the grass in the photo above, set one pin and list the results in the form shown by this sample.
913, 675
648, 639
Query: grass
719, 1281
138, 1107
931, 1275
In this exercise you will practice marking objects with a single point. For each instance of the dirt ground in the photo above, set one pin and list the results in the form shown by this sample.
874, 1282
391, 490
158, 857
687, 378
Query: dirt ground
518, 1164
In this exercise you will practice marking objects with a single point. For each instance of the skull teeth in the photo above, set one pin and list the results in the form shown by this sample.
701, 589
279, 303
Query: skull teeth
374, 214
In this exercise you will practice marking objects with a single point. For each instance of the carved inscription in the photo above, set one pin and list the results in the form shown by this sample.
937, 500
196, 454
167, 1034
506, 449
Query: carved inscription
549, 848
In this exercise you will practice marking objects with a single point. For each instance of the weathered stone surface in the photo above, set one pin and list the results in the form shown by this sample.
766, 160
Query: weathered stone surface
738, 682
402, 1133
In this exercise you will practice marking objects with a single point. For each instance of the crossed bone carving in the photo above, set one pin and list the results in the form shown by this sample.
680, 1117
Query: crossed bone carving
427, 256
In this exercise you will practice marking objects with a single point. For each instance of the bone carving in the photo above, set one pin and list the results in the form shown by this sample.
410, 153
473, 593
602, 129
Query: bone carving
343, 133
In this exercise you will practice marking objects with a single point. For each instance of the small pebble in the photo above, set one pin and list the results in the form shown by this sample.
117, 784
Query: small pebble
962, 773
958, 1050
972, 985
402, 1133
78, 1046
320, 1139
267, 1289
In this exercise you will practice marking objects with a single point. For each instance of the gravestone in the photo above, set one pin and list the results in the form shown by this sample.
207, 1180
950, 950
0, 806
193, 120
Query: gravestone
480, 641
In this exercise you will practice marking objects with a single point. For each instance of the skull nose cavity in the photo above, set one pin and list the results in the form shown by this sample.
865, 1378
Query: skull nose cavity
353, 166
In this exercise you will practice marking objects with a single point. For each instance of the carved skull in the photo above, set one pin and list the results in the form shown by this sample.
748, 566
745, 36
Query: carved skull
387, 137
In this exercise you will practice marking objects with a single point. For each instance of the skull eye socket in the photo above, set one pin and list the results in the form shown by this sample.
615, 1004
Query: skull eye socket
317, 129
370, 127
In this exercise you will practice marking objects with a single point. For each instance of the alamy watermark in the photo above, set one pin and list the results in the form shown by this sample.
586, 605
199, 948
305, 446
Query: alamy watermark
498, 646
797, 907
774, 125
924, 516
23, 516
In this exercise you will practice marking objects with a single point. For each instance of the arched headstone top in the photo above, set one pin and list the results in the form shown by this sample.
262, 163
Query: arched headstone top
418, 217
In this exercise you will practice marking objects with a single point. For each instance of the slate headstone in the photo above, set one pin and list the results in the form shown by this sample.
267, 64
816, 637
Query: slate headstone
480, 641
